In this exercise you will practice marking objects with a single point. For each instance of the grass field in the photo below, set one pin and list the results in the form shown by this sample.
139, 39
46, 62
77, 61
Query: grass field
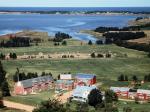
32, 99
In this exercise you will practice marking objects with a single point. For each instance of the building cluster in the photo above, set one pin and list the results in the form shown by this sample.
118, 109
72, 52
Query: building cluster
66, 82
133, 94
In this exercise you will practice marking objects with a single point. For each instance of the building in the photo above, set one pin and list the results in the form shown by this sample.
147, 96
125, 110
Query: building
66, 77
33, 85
85, 79
122, 92
65, 82
143, 94
81, 93
64, 85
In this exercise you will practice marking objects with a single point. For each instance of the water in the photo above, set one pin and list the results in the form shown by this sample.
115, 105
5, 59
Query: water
71, 24
131, 9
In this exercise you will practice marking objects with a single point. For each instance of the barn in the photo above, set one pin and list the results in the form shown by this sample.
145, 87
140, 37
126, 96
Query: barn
33, 85
122, 92
85, 79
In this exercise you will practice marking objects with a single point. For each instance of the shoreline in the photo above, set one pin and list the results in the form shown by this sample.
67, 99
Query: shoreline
76, 13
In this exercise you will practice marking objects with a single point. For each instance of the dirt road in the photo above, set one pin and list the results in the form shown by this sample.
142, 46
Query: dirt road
63, 98
10, 104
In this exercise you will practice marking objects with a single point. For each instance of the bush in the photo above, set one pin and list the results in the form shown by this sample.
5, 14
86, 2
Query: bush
90, 42
100, 55
64, 43
50, 106
93, 55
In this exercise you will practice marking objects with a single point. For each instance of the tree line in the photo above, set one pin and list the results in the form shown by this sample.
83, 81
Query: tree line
11, 56
16, 42
134, 78
107, 29
19, 76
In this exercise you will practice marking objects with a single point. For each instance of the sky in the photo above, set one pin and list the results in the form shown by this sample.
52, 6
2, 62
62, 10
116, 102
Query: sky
74, 3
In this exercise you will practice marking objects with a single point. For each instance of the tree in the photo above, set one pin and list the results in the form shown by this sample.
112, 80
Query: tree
2, 56
14, 56
5, 89
95, 97
121, 78
110, 96
3, 82
64, 43
134, 78
93, 55
126, 78
90, 42
50, 106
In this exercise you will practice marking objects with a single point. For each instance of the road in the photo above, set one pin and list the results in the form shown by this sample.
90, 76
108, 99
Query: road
10, 104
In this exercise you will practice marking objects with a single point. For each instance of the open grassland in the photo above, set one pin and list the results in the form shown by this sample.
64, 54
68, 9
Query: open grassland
136, 62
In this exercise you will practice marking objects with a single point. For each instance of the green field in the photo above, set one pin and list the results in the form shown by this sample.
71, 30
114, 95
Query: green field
32, 99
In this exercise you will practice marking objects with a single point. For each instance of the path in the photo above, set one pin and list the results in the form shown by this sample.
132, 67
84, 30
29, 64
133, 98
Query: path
10, 104
63, 98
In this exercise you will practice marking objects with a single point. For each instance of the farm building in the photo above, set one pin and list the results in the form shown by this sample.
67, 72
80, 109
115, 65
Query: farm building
85, 79
81, 93
33, 85
66, 77
64, 85
122, 92
143, 94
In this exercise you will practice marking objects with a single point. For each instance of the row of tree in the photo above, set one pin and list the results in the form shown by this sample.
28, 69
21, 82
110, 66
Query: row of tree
107, 29
16, 42
115, 36
19, 76
98, 42
11, 56
59, 37
134, 78
94, 55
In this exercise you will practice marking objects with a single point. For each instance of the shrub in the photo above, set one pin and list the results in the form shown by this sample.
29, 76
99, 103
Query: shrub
90, 42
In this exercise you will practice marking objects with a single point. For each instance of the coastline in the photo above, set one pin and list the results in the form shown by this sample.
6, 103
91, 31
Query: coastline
76, 13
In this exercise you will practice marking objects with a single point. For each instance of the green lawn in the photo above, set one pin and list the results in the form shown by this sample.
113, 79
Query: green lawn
32, 99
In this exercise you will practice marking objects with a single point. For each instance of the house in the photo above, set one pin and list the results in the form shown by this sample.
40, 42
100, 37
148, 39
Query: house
143, 94
122, 92
33, 85
80, 93
85, 79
